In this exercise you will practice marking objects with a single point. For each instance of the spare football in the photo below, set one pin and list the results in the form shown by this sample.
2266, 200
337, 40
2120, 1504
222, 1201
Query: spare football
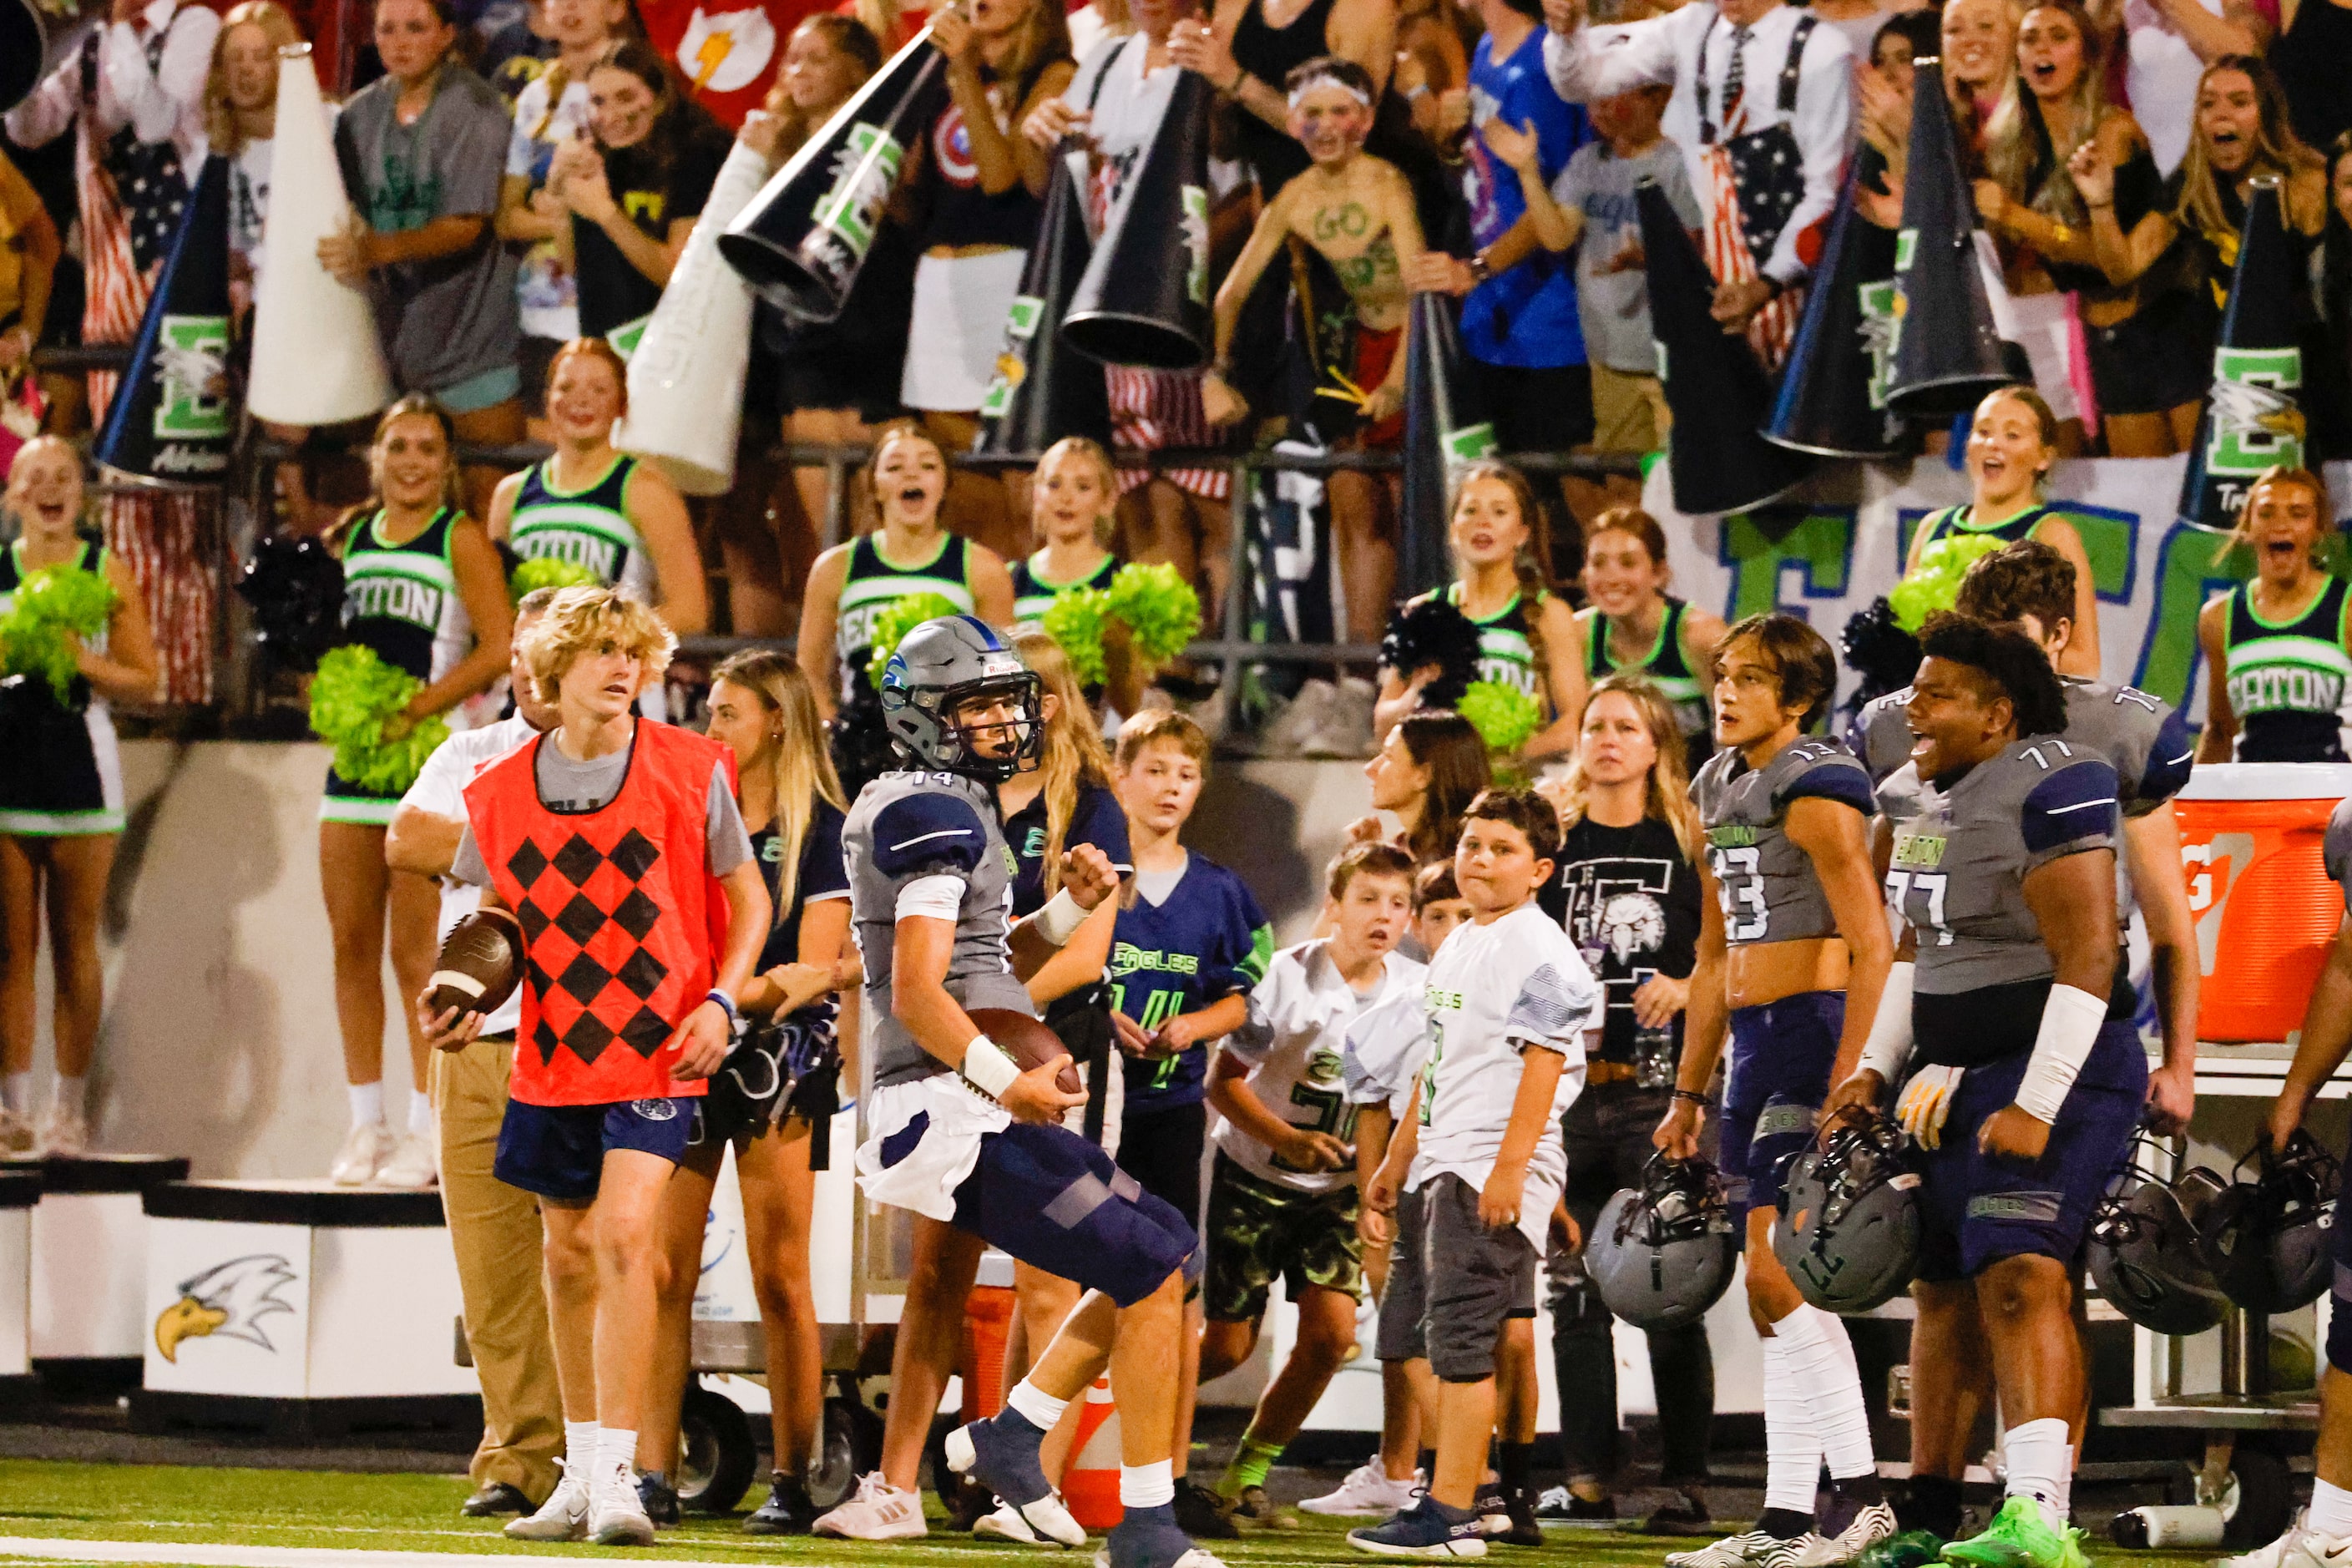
1028, 1042
481, 964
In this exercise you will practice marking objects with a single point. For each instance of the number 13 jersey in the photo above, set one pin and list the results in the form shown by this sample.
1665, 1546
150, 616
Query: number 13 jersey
1765, 880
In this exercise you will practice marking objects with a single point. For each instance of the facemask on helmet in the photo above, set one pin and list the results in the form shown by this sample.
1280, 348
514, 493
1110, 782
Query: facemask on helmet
1663, 1253
2143, 1249
1849, 1227
943, 671
2266, 1240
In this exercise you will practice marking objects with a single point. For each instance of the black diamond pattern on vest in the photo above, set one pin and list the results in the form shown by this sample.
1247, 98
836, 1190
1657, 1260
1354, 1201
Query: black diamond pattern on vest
643, 975
635, 855
527, 864
578, 861
560, 921
637, 914
646, 1032
580, 920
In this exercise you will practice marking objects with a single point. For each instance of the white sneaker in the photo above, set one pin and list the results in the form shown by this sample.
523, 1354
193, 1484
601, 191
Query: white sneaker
65, 1132
1872, 1525
562, 1517
412, 1165
615, 1516
1367, 1491
1006, 1524
879, 1511
1758, 1547
364, 1151
16, 1132
2298, 1547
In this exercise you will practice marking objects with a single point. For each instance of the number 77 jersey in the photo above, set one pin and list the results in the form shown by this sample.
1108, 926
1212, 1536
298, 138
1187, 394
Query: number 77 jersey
1765, 880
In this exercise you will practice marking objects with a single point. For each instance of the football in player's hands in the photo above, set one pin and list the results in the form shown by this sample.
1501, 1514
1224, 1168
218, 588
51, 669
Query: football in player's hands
479, 966
1029, 1043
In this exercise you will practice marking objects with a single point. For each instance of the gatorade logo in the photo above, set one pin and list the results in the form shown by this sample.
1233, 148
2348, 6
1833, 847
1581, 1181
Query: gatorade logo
863, 172
192, 373
2211, 868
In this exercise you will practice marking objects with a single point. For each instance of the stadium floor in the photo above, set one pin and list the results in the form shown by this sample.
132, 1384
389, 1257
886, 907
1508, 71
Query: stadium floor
233, 1518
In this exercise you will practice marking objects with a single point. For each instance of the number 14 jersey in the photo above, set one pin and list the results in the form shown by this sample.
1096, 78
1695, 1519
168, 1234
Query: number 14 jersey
1765, 880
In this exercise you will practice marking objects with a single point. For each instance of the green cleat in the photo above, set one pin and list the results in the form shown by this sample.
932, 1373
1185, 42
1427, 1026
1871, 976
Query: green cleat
2020, 1537
1912, 1549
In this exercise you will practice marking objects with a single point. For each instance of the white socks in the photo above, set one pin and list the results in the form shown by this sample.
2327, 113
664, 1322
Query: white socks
1147, 1485
616, 1455
1820, 1361
420, 1115
2040, 1466
367, 1103
2331, 1511
1792, 1454
1037, 1406
17, 1092
73, 1093
580, 1448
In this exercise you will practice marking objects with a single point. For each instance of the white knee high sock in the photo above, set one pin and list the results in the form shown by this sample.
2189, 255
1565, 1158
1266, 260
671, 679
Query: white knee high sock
1792, 1454
1820, 1357
617, 1454
2041, 1464
2331, 1511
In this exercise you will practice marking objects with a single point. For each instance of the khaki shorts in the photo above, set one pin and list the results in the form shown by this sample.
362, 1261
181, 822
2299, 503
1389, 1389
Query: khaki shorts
1629, 411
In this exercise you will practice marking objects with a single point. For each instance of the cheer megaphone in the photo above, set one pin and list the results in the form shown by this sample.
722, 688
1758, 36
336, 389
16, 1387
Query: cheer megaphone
2252, 420
1716, 389
1044, 390
1144, 301
174, 411
686, 380
1445, 430
805, 237
317, 359
1948, 350
1831, 399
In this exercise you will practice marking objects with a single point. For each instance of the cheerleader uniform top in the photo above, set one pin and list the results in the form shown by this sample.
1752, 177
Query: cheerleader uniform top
1954, 520
61, 776
1033, 593
872, 584
2287, 679
1507, 656
400, 602
588, 527
1668, 668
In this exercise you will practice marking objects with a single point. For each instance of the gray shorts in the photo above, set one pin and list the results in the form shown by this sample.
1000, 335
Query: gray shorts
1474, 1279
1407, 1297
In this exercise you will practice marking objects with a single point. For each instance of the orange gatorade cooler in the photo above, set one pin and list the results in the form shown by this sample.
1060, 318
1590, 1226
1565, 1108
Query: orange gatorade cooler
2265, 912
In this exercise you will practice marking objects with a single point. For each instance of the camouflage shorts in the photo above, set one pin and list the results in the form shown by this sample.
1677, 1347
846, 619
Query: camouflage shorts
1258, 1233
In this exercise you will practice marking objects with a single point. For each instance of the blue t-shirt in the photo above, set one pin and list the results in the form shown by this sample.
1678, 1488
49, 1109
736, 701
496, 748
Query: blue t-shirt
1094, 819
1526, 316
823, 874
1208, 942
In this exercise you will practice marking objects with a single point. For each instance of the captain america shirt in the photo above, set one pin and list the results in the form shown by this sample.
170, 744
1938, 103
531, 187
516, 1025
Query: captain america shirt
1180, 948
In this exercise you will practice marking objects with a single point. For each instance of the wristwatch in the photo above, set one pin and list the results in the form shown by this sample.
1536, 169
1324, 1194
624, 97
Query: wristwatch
1479, 270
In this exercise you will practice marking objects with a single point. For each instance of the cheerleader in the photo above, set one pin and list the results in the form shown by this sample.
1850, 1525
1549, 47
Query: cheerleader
2012, 443
423, 590
60, 800
774, 1099
588, 505
910, 552
1633, 625
1075, 506
1528, 639
2276, 646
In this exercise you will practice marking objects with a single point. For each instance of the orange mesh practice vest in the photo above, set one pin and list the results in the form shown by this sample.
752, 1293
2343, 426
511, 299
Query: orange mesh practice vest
622, 920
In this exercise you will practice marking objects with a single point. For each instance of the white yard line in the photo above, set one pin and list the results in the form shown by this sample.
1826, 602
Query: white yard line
216, 1556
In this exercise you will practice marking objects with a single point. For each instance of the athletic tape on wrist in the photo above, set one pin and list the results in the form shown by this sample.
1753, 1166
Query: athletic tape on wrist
1889, 1046
2071, 1020
987, 1069
1059, 921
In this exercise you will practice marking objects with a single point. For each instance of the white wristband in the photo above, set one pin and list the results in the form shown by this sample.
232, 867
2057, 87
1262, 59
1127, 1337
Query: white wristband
1889, 1046
2071, 1020
986, 1067
1059, 921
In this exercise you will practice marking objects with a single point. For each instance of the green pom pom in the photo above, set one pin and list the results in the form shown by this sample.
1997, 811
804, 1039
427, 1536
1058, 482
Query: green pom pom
546, 572
1159, 608
1935, 583
1504, 716
1077, 620
352, 696
898, 617
50, 603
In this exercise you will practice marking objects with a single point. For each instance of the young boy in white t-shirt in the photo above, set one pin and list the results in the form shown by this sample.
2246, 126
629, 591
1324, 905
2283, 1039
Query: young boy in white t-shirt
1509, 1003
1282, 1199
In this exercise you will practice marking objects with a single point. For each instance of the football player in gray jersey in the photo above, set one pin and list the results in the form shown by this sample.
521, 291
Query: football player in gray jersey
1802, 932
2322, 1538
963, 1134
2025, 1088
2031, 585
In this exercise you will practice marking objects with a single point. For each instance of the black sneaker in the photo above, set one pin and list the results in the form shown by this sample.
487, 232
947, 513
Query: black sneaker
1202, 1514
658, 1498
1494, 1515
494, 1497
1427, 1528
1519, 1508
1686, 1515
787, 1512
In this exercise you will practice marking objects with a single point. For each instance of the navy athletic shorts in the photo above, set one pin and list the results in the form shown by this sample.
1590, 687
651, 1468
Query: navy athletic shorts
1782, 1056
1058, 1203
558, 1151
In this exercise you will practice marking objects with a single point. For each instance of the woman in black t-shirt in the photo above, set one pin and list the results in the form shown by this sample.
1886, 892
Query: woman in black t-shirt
635, 186
775, 1097
1633, 893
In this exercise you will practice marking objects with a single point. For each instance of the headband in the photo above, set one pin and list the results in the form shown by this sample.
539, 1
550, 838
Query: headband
1330, 79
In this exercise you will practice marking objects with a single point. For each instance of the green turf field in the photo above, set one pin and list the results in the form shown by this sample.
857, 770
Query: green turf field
152, 1507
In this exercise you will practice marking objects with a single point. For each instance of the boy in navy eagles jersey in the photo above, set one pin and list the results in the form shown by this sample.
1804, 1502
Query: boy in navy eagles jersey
1186, 952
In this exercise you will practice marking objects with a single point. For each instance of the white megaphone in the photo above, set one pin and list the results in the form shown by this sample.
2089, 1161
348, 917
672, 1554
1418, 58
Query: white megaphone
316, 357
686, 374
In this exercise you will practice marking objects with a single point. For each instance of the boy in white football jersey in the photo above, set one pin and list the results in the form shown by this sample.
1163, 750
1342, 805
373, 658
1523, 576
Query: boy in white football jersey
1282, 1198
1509, 1002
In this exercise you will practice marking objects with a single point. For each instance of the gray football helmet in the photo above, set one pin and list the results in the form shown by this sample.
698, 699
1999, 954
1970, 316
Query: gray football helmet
2143, 1249
1849, 1227
2267, 1239
939, 667
1663, 1253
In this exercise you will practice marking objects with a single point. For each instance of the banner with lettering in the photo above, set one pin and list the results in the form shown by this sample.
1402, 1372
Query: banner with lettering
1839, 543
